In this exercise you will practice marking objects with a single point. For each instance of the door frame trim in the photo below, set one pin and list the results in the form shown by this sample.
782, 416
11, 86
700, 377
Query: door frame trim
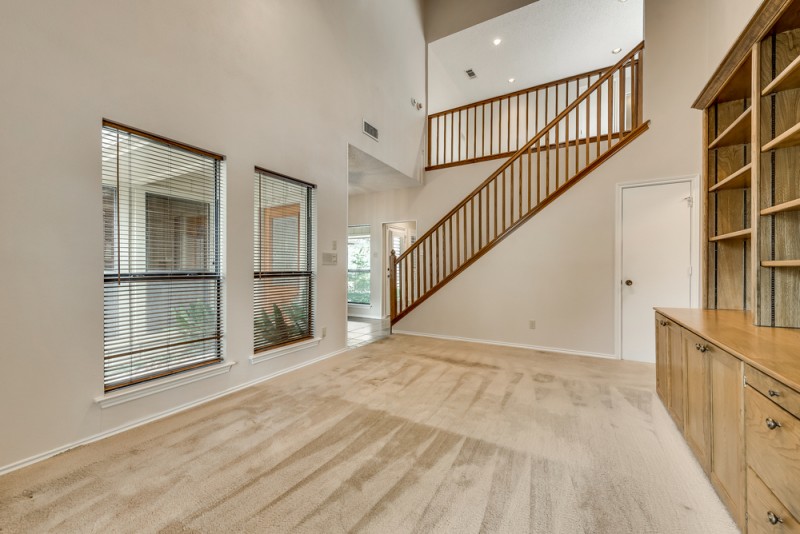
694, 244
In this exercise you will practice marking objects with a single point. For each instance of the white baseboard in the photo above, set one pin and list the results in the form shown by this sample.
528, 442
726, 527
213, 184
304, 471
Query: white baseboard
128, 426
515, 345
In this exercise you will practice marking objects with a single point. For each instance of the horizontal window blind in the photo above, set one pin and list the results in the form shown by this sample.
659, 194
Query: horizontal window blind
283, 254
162, 282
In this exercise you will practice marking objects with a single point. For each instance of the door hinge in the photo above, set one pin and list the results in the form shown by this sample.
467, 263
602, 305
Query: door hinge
689, 201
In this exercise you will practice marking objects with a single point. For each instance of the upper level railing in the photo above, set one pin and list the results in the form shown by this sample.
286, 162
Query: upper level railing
590, 129
497, 127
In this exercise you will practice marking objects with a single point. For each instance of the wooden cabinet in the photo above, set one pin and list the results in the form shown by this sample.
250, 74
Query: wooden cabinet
727, 431
773, 443
741, 421
670, 378
697, 424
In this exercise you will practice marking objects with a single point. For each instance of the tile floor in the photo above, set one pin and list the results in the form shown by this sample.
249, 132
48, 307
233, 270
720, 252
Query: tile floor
361, 331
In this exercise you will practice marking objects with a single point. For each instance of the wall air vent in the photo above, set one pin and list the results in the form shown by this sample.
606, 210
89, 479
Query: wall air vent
370, 130
471, 74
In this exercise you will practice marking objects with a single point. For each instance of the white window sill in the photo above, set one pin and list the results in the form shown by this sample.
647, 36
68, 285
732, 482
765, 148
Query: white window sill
149, 388
281, 351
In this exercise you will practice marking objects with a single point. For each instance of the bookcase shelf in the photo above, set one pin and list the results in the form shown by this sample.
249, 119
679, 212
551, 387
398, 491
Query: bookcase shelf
792, 205
781, 263
789, 138
731, 236
738, 180
738, 133
789, 78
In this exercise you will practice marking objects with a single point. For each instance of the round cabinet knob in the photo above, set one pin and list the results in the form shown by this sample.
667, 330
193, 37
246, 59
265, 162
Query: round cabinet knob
628, 282
772, 424
774, 519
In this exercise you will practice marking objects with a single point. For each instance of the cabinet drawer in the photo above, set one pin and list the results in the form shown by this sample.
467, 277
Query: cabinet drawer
786, 397
773, 448
766, 514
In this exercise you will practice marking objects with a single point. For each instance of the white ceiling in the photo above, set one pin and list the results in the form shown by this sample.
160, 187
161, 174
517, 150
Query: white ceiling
542, 42
366, 174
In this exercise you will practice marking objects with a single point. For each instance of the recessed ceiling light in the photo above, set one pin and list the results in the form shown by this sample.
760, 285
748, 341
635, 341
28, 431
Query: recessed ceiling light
616, 51
622, 1
511, 80
497, 41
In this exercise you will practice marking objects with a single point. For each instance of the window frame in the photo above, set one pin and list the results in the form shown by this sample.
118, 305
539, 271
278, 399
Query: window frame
171, 277
307, 271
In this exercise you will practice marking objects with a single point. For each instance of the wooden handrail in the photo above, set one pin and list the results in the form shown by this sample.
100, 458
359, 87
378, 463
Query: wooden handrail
553, 160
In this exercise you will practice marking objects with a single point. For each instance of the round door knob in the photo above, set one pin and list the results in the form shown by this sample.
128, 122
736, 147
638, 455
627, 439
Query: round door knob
628, 282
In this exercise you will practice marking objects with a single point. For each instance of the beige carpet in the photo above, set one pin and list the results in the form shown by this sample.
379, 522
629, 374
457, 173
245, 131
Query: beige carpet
403, 435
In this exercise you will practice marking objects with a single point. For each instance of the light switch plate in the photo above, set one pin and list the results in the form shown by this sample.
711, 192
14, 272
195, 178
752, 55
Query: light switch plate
330, 258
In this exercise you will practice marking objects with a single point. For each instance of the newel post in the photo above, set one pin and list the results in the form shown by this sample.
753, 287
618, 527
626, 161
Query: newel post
393, 284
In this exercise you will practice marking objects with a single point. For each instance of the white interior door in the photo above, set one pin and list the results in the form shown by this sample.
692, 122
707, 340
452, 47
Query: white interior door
656, 261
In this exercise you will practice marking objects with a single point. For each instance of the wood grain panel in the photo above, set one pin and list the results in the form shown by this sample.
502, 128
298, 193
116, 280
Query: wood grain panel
727, 424
774, 453
697, 423
776, 391
762, 505
677, 378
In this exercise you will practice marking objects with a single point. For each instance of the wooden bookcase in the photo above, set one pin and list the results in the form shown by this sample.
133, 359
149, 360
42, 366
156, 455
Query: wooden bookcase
752, 176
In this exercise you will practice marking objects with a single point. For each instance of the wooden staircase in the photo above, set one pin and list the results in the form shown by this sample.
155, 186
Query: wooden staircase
599, 122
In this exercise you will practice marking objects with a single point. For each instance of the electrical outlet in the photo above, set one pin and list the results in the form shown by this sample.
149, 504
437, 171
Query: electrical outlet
333, 245
324, 331
532, 324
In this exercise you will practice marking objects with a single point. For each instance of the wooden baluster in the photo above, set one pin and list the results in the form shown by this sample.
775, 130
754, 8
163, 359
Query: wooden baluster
566, 144
527, 116
622, 78
503, 200
480, 219
460, 122
538, 171
599, 124
558, 140
407, 265
547, 162
457, 257
519, 210
530, 197
429, 141
452, 136
439, 150
639, 89
496, 211
491, 128
516, 147
577, 127
466, 137
464, 231
588, 114
483, 130
472, 224
450, 248
536, 126
438, 256
610, 110
392, 284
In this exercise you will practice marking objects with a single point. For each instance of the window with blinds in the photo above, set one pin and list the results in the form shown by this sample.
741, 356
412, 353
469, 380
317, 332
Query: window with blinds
283, 257
162, 284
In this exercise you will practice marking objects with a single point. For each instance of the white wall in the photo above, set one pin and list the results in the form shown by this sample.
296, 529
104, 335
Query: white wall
283, 84
558, 269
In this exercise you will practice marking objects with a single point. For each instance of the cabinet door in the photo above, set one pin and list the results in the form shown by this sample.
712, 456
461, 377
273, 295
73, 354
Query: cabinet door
697, 425
662, 359
676, 379
727, 424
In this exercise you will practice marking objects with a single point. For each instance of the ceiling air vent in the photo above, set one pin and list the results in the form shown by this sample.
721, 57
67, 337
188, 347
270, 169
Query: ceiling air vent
471, 74
370, 130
